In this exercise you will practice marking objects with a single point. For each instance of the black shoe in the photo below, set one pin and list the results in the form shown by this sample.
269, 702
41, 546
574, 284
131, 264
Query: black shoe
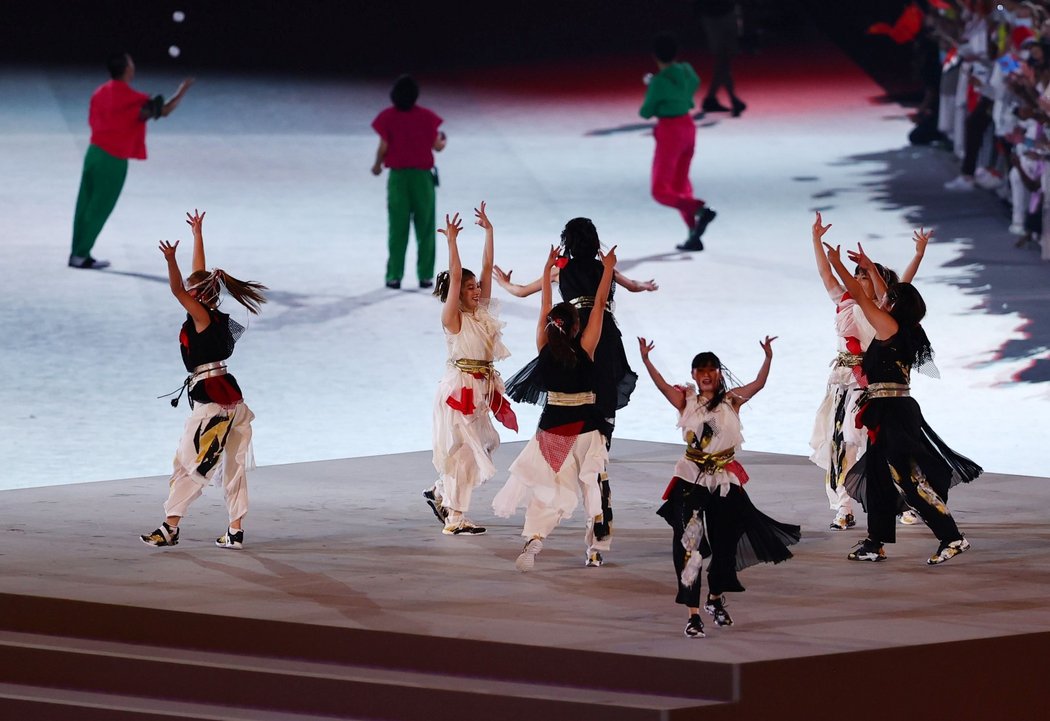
711, 105
695, 627
867, 550
739, 106
691, 245
77, 261
424, 284
231, 539
393, 284
704, 216
164, 536
717, 608
435, 505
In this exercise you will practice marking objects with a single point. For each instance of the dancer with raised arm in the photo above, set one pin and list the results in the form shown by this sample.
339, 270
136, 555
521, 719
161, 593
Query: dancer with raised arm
905, 461
837, 441
706, 503
564, 458
578, 272
470, 391
218, 432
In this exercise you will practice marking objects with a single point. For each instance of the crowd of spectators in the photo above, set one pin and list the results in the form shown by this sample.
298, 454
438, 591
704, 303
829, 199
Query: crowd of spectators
986, 69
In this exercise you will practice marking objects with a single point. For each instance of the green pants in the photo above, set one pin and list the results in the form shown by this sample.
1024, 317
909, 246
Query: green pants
410, 199
100, 186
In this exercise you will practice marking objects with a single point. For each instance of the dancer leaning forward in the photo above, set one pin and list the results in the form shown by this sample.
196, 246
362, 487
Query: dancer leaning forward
706, 504
218, 432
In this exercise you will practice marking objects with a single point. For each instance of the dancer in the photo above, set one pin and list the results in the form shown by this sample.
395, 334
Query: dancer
706, 503
569, 450
905, 461
219, 430
578, 279
408, 135
464, 437
721, 21
670, 98
117, 115
837, 441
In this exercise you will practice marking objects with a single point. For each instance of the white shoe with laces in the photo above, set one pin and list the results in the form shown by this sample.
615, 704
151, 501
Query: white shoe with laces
960, 184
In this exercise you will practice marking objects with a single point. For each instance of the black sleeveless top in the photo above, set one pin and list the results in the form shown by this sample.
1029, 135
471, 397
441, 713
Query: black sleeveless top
215, 343
565, 379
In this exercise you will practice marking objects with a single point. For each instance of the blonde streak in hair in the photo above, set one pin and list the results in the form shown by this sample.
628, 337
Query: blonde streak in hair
247, 293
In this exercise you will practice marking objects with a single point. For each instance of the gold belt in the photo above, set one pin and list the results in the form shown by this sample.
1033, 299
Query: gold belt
207, 370
709, 462
570, 399
885, 390
469, 365
848, 360
587, 301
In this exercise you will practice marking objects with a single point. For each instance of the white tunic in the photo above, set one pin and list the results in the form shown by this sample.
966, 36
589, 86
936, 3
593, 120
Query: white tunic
727, 433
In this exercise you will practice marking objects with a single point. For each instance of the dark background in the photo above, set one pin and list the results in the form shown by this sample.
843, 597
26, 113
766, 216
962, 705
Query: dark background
392, 36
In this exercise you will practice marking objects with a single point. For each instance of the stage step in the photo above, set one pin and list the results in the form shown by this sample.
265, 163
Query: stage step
62, 673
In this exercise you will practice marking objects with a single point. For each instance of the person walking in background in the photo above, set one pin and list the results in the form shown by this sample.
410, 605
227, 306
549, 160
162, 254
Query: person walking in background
670, 98
720, 19
408, 137
218, 432
117, 116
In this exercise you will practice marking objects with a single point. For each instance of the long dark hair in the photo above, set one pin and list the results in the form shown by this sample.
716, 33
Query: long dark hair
562, 322
580, 238
443, 280
907, 307
707, 359
209, 285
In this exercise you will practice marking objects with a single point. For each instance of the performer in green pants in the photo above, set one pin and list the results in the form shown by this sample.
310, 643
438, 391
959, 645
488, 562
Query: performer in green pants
408, 135
117, 117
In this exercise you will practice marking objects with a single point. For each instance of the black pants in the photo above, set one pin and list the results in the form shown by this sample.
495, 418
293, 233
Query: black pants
977, 124
882, 522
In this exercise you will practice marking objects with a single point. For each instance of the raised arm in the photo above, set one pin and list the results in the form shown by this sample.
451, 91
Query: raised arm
198, 312
593, 332
823, 267
485, 279
675, 396
878, 283
740, 396
546, 298
196, 223
921, 237
883, 323
175, 99
450, 314
634, 286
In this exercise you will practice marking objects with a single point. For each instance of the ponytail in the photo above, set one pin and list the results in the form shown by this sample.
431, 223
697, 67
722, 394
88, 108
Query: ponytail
561, 321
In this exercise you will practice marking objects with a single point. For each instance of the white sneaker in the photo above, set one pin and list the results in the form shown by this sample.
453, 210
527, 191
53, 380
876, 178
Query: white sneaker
909, 518
960, 184
987, 179
1017, 229
527, 558
948, 550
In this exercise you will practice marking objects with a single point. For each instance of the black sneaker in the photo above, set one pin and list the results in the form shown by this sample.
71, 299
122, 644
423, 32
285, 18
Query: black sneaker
739, 106
947, 550
695, 627
424, 284
87, 262
231, 539
435, 505
703, 217
164, 536
393, 284
717, 608
867, 550
711, 105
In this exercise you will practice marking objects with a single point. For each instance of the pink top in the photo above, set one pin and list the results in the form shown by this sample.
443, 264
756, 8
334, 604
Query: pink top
410, 136
116, 124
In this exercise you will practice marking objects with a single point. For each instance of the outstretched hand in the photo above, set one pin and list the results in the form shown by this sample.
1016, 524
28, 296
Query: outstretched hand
482, 218
861, 258
833, 254
168, 249
767, 345
452, 227
644, 347
608, 259
921, 238
196, 221
552, 259
649, 285
818, 229
501, 277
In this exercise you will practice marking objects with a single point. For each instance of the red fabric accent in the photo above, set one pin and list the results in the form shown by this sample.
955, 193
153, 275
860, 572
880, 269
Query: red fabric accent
950, 56
555, 443
562, 261
184, 340
941, 5
1019, 34
737, 470
410, 136
503, 412
853, 345
670, 487
221, 391
116, 125
904, 29
972, 97
465, 403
